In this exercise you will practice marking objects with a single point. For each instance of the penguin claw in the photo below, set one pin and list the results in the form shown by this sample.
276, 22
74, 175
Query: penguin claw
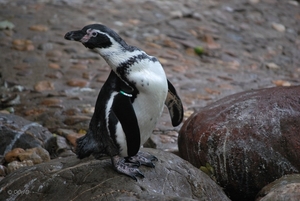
143, 158
127, 168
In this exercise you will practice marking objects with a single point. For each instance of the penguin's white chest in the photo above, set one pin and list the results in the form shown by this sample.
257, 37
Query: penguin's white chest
148, 106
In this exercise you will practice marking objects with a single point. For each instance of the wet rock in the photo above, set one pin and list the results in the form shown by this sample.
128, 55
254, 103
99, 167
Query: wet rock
3, 170
16, 132
285, 188
250, 139
74, 179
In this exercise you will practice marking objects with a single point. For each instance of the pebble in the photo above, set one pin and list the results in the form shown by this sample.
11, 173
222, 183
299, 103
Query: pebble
55, 75
38, 27
77, 83
17, 164
45, 46
23, 45
176, 14
54, 53
13, 155
278, 27
54, 66
44, 86
282, 83
272, 66
79, 66
36, 155
51, 101
6, 25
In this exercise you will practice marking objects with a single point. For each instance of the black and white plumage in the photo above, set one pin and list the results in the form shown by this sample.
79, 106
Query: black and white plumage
129, 103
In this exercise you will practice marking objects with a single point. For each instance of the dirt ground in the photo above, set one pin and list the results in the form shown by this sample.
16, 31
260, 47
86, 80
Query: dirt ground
242, 45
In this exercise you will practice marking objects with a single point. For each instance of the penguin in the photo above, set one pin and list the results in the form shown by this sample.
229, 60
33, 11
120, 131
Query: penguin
129, 103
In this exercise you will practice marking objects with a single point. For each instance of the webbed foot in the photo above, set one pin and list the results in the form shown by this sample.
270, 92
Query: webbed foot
143, 158
128, 168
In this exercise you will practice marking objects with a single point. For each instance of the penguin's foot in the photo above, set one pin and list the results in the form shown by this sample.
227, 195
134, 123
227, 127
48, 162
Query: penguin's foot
143, 158
128, 168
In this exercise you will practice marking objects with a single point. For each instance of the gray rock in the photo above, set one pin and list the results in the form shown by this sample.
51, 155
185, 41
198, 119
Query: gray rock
89, 179
17, 132
285, 188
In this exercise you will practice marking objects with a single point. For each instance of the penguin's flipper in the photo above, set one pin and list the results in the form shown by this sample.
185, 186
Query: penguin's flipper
123, 110
174, 105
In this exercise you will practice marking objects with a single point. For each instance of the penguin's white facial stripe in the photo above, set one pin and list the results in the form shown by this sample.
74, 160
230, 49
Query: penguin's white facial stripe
89, 34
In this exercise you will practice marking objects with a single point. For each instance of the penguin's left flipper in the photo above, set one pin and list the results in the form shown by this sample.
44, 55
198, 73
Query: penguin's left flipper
143, 158
123, 110
174, 105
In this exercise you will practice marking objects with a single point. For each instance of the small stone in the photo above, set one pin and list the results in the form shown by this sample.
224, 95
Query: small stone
13, 155
294, 3
23, 45
44, 86
54, 66
176, 14
55, 75
87, 75
54, 53
79, 66
6, 25
17, 164
50, 101
77, 83
38, 27
282, 83
36, 155
45, 46
272, 66
278, 27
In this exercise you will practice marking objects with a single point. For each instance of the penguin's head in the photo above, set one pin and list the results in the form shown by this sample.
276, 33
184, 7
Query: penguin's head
95, 36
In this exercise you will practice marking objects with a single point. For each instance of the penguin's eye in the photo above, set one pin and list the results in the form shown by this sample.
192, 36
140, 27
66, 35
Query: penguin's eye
94, 34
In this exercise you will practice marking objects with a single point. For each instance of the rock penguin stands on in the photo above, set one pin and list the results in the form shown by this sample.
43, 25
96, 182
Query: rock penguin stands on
129, 103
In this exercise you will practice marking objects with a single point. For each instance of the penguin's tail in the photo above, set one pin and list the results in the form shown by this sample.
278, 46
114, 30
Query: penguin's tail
86, 145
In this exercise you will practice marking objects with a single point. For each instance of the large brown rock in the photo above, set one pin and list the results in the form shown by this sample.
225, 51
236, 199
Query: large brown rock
250, 139
72, 179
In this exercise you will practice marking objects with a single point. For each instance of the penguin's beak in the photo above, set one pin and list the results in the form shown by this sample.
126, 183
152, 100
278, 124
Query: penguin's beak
74, 35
